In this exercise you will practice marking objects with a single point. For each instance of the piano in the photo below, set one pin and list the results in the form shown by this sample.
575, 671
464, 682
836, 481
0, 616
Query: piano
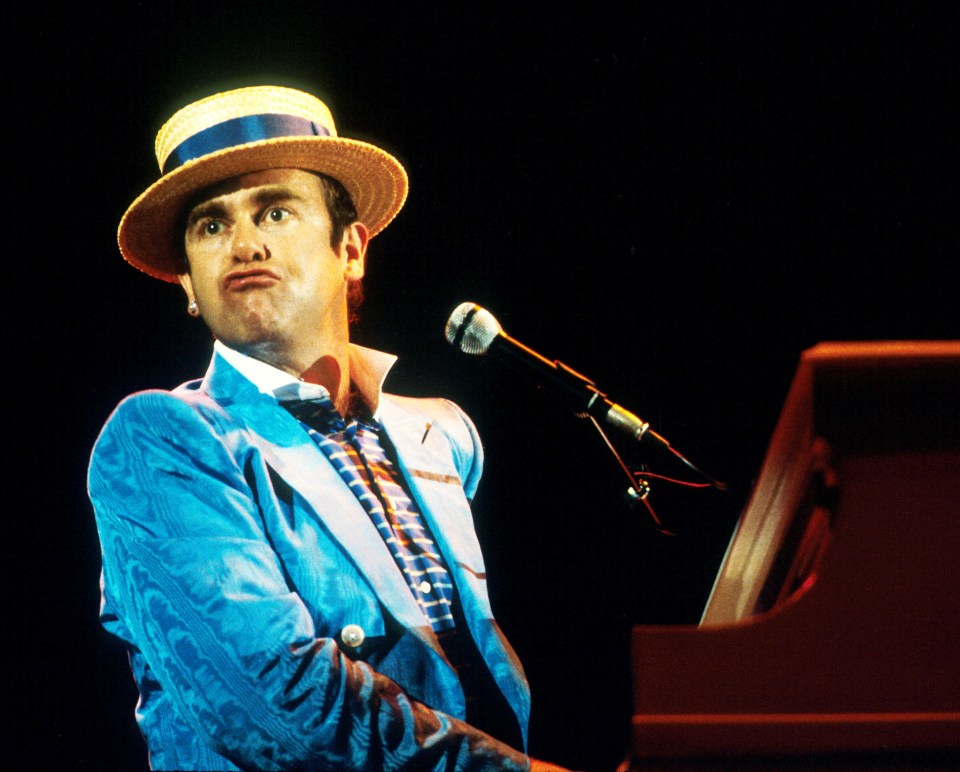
831, 636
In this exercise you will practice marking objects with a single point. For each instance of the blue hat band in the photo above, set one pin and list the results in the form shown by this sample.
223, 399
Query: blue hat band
239, 131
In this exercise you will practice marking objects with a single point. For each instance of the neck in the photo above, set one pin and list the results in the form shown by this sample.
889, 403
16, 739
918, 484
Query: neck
333, 374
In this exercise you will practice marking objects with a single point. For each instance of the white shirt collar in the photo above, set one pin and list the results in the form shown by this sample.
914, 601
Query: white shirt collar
368, 370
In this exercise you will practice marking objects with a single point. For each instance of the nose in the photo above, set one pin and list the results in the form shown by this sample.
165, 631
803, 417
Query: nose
248, 244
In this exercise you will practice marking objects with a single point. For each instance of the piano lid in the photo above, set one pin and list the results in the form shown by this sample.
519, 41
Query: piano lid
833, 624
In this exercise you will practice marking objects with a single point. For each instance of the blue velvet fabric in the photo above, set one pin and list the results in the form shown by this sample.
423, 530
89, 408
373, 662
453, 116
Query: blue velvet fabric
234, 555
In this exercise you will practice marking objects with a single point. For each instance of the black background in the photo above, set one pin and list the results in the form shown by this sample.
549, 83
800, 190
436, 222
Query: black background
675, 198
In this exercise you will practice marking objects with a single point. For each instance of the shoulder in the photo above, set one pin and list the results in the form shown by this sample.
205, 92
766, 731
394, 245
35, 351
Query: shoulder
158, 416
444, 421
156, 407
441, 414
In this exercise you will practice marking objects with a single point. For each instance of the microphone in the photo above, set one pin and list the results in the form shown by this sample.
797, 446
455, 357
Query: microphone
474, 330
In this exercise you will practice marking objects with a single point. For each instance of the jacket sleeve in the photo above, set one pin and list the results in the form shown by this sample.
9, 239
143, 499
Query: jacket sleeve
190, 575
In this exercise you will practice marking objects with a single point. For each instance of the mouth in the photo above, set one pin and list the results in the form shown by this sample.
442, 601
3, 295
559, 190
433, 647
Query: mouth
237, 281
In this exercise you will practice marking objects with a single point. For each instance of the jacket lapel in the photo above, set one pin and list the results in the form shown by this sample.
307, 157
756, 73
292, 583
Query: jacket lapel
426, 463
423, 454
289, 450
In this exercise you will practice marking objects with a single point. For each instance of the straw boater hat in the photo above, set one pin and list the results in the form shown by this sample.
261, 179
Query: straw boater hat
247, 130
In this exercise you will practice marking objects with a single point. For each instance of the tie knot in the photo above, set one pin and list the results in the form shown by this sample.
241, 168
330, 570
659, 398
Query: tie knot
318, 413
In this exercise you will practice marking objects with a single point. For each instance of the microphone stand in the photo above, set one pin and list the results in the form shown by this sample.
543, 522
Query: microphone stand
635, 482
639, 489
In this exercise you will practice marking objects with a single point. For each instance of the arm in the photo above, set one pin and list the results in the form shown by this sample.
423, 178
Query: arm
189, 570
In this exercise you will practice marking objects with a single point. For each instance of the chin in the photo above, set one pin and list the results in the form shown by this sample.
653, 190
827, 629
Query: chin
253, 334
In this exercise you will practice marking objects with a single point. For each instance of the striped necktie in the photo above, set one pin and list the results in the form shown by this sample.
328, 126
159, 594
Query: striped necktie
355, 450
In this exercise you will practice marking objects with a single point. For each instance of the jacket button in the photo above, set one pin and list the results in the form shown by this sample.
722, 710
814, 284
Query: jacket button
352, 635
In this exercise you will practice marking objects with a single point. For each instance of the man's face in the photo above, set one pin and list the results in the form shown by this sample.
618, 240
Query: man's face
262, 269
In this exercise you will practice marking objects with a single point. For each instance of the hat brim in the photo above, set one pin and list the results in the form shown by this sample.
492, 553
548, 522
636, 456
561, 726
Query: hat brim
150, 233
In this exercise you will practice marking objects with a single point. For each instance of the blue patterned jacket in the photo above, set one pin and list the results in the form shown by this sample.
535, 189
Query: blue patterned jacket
233, 558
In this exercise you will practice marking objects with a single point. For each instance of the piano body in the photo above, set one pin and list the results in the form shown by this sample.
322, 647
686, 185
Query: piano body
831, 637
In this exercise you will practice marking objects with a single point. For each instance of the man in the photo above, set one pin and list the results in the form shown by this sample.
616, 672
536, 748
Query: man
288, 552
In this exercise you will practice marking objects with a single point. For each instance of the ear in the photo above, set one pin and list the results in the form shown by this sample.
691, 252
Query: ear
187, 285
353, 247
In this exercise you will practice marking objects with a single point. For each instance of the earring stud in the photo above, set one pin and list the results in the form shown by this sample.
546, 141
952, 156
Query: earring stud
192, 308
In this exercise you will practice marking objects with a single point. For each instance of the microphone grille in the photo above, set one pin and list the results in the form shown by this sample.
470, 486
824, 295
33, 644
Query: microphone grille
471, 329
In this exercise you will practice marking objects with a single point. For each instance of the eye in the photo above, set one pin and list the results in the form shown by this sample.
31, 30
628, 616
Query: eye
211, 228
275, 214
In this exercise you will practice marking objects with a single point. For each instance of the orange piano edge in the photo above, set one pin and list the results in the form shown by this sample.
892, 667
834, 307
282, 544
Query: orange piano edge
771, 734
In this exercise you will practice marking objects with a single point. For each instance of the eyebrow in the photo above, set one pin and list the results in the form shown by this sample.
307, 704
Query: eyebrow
263, 196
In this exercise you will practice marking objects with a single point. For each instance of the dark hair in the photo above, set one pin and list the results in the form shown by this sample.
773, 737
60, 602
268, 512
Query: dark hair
343, 213
340, 207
